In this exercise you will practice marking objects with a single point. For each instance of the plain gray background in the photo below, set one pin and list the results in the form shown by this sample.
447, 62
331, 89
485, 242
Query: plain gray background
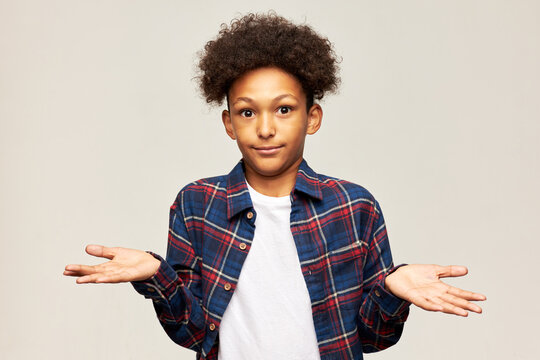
101, 124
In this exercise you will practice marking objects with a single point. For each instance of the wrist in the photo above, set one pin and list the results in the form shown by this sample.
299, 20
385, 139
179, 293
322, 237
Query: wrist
389, 275
149, 267
153, 265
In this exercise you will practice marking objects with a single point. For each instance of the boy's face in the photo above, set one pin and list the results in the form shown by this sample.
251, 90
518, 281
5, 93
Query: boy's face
269, 121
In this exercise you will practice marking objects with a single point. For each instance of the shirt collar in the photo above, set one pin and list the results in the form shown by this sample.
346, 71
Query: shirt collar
238, 199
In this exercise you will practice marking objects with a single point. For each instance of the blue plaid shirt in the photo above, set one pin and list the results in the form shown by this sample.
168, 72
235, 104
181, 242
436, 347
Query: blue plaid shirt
342, 244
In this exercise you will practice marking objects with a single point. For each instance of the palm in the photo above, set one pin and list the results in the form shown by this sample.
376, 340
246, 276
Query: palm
124, 265
421, 285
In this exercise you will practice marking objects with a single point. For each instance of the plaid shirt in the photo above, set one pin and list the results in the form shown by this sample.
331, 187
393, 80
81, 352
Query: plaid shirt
341, 239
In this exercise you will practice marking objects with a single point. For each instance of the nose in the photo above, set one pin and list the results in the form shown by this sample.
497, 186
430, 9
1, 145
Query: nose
265, 126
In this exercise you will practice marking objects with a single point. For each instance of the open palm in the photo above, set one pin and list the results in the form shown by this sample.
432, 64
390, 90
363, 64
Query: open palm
124, 265
420, 284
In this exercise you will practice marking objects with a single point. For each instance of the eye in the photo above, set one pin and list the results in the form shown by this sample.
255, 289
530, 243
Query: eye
246, 113
284, 110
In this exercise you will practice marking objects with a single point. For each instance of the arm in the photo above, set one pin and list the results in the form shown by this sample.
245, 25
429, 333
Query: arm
382, 315
176, 289
173, 286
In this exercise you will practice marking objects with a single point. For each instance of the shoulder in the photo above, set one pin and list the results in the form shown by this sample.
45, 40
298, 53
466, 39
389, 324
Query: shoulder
343, 194
209, 184
334, 187
349, 199
198, 192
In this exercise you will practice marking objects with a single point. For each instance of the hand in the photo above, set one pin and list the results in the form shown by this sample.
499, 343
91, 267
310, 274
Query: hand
125, 265
420, 285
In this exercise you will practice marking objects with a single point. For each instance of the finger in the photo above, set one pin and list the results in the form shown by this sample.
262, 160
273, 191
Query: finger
105, 277
101, 251
467, 295
113, 278
425, 304
86, 279
81, 269
461, 303
449, 308
93, 278
71, 273
451, 271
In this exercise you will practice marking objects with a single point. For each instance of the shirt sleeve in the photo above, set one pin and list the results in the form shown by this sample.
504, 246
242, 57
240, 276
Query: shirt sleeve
175, 289
382, 315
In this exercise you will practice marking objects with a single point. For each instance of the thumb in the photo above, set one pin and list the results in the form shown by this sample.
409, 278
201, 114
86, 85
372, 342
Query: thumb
101, 251
452, 271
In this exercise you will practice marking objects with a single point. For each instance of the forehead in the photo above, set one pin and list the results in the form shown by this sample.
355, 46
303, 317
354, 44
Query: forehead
266, 82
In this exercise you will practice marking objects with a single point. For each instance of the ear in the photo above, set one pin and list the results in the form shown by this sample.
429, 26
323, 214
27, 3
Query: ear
315, 114
227, 122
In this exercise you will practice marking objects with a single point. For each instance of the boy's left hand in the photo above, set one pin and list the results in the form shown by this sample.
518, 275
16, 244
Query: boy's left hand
421, 285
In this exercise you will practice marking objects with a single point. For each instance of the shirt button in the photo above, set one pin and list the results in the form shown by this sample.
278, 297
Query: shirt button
150, 289
227, 286
250, 215
377, 293
242, 246
212, 327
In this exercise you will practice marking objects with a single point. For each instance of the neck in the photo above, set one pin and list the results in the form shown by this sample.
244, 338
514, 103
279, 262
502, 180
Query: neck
277, 185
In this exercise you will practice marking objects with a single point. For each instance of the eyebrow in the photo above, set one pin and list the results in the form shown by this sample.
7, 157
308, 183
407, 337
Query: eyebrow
277, 98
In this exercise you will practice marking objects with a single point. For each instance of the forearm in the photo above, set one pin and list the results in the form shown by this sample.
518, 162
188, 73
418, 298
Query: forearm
381, 318
177, 308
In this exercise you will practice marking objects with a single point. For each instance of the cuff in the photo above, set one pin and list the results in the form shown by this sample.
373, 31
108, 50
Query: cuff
390, 305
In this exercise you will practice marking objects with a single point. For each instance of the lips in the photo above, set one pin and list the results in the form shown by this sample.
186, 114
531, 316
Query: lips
268, 150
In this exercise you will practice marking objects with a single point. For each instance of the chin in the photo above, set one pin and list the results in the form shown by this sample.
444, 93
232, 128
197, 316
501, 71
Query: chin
269, 172
268, 168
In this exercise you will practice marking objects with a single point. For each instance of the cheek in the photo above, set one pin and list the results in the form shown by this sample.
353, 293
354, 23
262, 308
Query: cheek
243, 139
242, 135
296, 133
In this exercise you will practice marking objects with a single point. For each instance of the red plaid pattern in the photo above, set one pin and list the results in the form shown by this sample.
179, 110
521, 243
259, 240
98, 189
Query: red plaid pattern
342, 244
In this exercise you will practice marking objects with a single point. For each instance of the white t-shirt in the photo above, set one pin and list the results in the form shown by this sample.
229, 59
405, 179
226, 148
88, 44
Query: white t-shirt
269, 315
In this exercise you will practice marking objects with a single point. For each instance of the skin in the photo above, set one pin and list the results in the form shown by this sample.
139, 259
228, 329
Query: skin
268, 110
420, 284
269, 121
124, 265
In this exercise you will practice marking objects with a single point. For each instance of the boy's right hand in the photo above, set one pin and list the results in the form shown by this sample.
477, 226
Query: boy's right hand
125, 265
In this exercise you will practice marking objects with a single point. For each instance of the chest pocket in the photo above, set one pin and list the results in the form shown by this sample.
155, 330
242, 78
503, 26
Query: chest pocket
347, 253
345, 274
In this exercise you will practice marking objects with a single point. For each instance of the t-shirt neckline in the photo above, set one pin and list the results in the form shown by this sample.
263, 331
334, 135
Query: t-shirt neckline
258, 197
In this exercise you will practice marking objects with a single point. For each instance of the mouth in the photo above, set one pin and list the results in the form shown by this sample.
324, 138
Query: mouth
268, 150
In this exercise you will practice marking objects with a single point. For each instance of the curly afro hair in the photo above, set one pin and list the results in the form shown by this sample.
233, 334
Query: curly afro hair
260, 40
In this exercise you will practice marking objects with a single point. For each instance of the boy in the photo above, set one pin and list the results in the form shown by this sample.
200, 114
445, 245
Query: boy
275, 261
